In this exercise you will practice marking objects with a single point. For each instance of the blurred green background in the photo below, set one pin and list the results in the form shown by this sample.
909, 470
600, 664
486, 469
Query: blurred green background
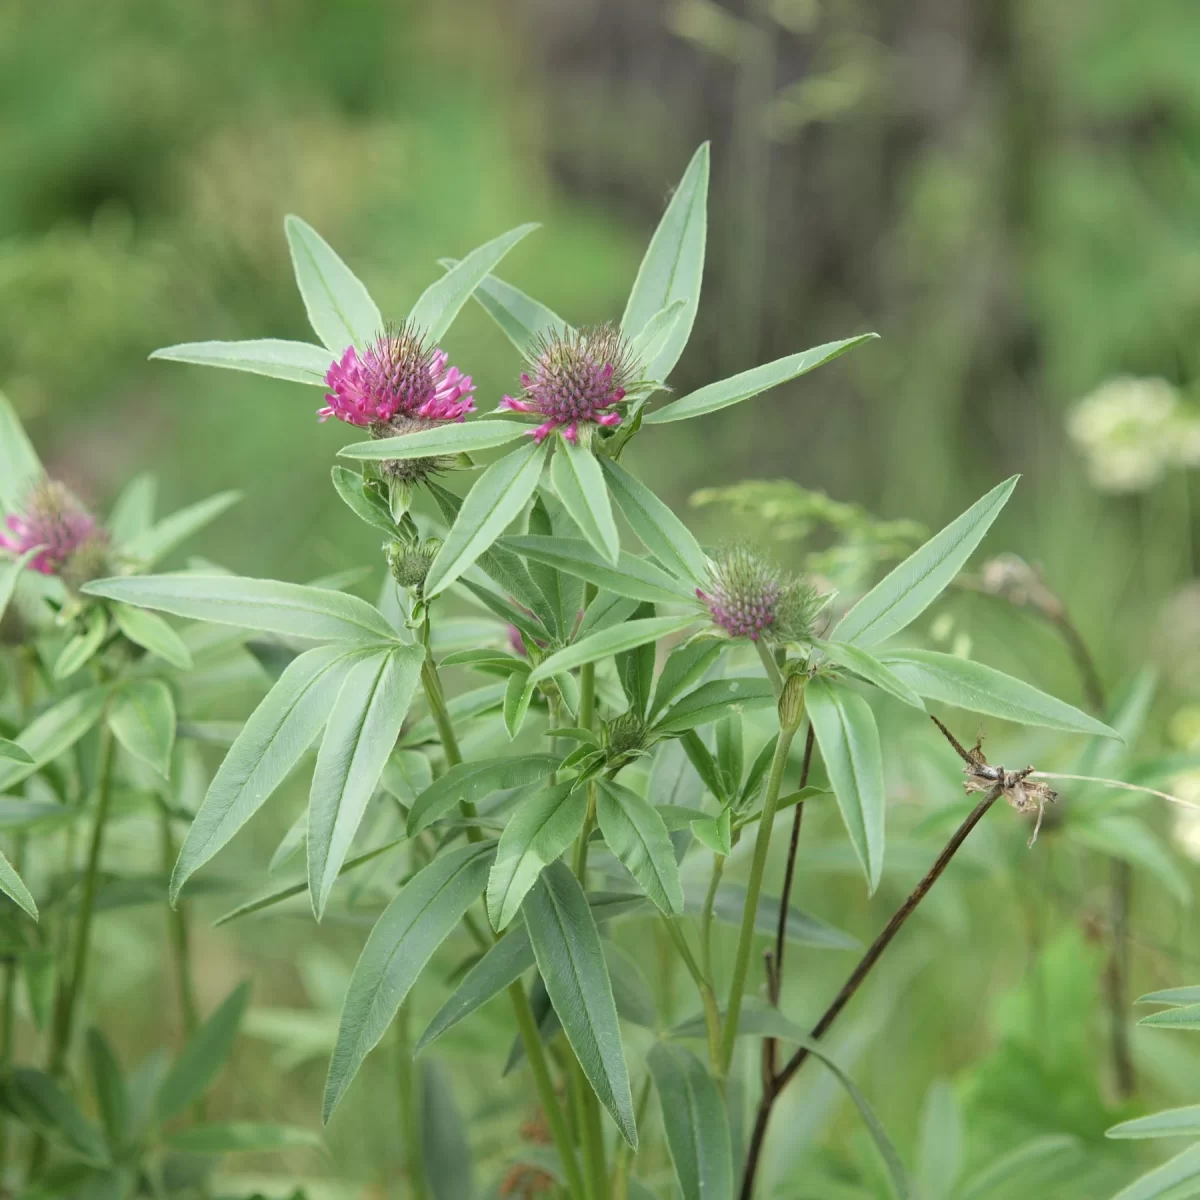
1008, 191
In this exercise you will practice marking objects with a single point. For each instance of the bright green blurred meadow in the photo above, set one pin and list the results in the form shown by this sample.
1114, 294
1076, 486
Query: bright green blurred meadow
1007, 191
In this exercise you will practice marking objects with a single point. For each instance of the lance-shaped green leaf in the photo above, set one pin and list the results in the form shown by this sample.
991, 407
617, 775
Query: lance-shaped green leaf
442, 439
607, 642
518, 694
1176, 997
686, 665
359, 739
971, 685
1130, 840
695, 1122
799, 927
298, 361
757, 1020
741, 387
1166, 1182
152, 633
53, 732
339, 307
466, 707
629, 576
133, 510
263, 604
716, 699
441, 301
470, 782
580, 485
10, 572
660, 530
499, 494
16, 753
19, 464
673, 267
446, 1149
845, 729
206, 1052
13, 886
1186, 1016
659, 332
362, 501
870, 669
160, 539
908, 590
1171, 1122
80, 648
239, 1137
412, 927
541, 828
1024, 1166
264, 753
522, 318
41, 1103
940, 1143
570, 958
636, 834
109, 1087
142, 717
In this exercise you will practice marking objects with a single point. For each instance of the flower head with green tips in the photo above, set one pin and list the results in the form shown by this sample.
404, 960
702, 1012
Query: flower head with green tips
749, 597
70, 541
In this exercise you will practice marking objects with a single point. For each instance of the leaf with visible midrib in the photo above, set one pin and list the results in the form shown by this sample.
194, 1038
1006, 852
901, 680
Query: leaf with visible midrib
695, 1122
269, 745
204, 1055
580, 485
474, 781
413, 925
299, 362
570, 958
361, 734
340, 308
635, 833
908, 590
849, 741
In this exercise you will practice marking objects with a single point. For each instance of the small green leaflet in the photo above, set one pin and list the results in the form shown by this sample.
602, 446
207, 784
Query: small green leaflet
608, 642
299, 362
13, 886
580, 485
1172, 1122
19, 464
339, 307
471, 782
53, 732
750, 383
160, 539
152, 633
907, 591
871, 669
1165, 1181
142, 718
636, 834
442, 439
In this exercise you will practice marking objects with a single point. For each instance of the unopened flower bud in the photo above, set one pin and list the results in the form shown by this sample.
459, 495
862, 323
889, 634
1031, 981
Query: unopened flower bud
791, 701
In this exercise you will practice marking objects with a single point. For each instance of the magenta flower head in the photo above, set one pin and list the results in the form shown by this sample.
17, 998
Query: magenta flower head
396, 376
749, 597
73, 544
576, 379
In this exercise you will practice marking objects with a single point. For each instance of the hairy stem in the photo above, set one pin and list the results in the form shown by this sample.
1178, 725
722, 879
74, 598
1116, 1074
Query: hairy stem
758, 865
855, 981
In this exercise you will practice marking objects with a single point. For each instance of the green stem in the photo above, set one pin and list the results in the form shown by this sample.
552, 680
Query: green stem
708, 997
8, 1014
767, 655
180, 935
758, 865
410, 1109
706, 915
545, 1089
436, 699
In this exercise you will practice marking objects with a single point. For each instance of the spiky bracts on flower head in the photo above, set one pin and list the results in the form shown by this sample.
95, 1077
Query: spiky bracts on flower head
749, 597
74, 545
575, 379
397, 375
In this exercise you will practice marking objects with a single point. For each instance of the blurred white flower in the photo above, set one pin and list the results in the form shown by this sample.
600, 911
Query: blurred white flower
1131, 431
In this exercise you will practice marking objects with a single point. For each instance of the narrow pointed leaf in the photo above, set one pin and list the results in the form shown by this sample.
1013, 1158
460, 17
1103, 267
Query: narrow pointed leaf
1166, 1181
13, 886
499, 494
339, 307
262, 604
16, 753
608, 642
580, 485
1030, 1159
1172, 1122
454, 438
660, 530
800, 927
439, 304
872, 670
300, 362
673, 266
1177, 997
1186, 1016
446, 1149
635, 833
940, 1143
659, 333
10, 572
79, 650
518, 695
571, 961
204, 1056
359, 739
239, 1137
41, 1103
19, 464
849, 741
471, 782
361, 501
628, 576
133, 510
907, 591
109, 1088
522, 318
414, 924
741, 387
541, 828
264, 753
160, 539
685, 667
53, 732
714, 700
142, 717
971, 685
695, 1122
152, 633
